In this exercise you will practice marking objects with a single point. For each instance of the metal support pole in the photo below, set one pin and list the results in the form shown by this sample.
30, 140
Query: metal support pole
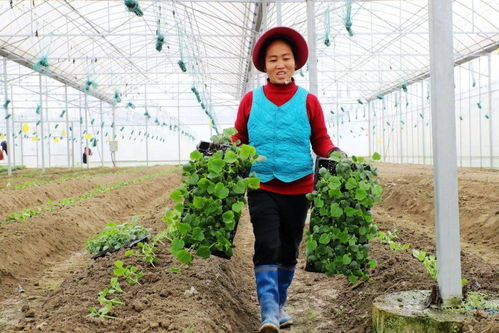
278, 8
86, 130
48, 122
9, 146
101, 137
422, 111
147, 126
147, 141
67, 122
113, 154
444, 151
491, 119
480, 111
80, 127
469, 114
178, 118
13, 129
72, 144
383, 129
41, 123
312, 52
369, 127
22, 147
401, 151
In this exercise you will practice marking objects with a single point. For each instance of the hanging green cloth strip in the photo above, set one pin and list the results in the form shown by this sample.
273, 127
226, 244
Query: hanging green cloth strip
181, 64
327, 27
89, 84
147, 115
487, 116
130, 105
6, 104
404, 86
479, 105
62, 113
38, 109
160, 40
42, 65
134, 7
117, 97
348, 17
379, 96
360, 101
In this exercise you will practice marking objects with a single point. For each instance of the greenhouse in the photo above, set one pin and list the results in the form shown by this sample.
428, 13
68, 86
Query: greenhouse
166, 163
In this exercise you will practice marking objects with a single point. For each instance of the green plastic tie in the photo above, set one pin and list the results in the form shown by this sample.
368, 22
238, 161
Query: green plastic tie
348, 18
117, 97
134, 7
181, 64
42, 65
160, 40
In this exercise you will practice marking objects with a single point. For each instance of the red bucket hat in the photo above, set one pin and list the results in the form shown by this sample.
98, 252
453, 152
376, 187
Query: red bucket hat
298, 45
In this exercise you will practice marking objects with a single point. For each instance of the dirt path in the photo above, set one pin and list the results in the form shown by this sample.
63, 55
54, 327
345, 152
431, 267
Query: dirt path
218, 295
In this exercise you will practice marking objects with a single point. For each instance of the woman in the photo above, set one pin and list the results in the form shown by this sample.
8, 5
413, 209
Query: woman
281, 120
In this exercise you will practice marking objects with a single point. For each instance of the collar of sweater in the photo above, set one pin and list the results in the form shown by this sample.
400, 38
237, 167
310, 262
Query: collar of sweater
272, 88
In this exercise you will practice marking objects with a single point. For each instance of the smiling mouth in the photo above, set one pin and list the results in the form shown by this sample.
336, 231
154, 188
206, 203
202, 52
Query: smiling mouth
281, 74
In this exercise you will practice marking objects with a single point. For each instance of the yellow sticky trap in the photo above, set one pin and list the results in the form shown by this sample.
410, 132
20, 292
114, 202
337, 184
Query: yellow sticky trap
88, 136
210, 123
35, 139
56, 140
64, 133
378, 141
25, 128
2, 137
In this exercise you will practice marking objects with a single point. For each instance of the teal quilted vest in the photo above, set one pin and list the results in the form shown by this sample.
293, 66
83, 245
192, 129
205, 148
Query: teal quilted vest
282, 135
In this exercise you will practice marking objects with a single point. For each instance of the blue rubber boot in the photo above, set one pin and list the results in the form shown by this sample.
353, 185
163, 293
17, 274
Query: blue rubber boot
268, 297
285, 276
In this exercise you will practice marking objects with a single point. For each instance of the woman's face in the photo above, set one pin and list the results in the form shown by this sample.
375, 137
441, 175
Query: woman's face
279, 62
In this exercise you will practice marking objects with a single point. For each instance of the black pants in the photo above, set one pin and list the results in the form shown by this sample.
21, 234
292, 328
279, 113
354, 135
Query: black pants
278, 221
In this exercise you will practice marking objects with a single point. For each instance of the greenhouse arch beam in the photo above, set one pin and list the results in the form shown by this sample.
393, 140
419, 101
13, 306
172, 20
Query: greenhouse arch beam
425, 75
55, 76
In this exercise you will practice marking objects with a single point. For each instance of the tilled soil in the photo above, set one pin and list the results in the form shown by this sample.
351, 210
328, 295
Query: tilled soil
22, 176
31, 246
14, 200
217, 295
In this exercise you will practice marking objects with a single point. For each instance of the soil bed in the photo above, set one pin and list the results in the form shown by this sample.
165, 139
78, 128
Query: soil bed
218, 295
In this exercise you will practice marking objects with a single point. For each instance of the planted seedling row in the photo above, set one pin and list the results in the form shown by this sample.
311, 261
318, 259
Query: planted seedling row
50, 206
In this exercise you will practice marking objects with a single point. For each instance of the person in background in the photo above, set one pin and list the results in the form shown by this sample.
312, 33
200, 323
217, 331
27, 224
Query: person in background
86, 152
282, 121
4, 146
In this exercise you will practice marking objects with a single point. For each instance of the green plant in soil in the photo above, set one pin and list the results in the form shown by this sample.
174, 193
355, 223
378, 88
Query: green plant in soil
105, 311
210, 202
389, 237
130, 273
341, 222
114, 237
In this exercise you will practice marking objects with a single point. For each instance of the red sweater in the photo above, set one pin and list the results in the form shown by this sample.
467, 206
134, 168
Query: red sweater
320, 140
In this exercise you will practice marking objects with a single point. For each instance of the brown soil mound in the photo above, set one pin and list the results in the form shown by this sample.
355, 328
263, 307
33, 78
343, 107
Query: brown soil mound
408, 200
33, 245
217, 295
14, 200
52, 174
